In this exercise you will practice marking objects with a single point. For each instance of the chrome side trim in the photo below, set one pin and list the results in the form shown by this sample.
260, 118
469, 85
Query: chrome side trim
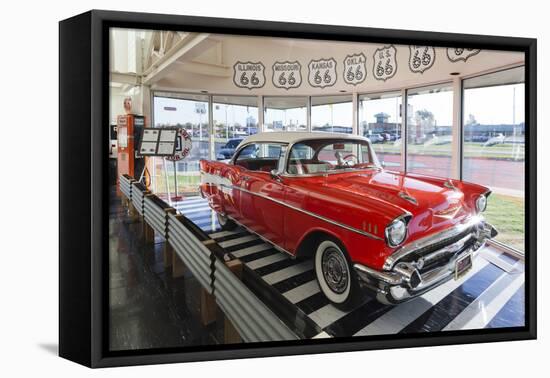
349, 228
429, 240
408, 197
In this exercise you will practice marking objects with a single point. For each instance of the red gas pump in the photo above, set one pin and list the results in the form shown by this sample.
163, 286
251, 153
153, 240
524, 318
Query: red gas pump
129, 127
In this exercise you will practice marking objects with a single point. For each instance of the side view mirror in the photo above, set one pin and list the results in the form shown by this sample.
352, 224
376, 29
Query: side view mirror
275, 175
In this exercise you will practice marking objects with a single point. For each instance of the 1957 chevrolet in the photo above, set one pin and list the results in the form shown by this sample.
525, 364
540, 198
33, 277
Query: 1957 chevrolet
326, 196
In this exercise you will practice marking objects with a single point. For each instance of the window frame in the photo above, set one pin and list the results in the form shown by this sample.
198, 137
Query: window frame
282, 156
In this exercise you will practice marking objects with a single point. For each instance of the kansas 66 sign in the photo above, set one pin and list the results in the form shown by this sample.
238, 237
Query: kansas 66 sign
184, 144
322, 73
355, 68
385, 63
249, 75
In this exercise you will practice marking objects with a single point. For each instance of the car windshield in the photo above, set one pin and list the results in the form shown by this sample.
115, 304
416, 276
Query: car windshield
233, 143
330, 155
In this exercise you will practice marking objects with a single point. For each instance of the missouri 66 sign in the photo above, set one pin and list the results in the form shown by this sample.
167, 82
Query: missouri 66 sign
355, 68
385, 63
322, 73
249, 75
287, 74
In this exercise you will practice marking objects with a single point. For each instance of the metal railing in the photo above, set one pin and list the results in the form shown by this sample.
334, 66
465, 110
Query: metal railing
126, 185
206, 260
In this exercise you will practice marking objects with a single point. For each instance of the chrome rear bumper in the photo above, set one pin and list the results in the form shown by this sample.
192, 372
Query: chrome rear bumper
417, 268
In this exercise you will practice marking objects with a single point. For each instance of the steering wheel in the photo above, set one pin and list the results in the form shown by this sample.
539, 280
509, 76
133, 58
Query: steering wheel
348, 161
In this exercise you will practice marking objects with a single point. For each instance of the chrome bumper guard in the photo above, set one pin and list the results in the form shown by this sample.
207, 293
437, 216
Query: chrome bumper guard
403, 278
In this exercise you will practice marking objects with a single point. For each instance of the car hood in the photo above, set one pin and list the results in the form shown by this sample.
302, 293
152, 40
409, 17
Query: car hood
432, 202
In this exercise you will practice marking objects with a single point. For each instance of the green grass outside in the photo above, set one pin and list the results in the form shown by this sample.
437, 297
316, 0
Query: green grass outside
506, 214
471, 150
186, 183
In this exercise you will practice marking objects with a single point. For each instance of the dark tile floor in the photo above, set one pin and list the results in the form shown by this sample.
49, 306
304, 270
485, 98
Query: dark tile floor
149, 308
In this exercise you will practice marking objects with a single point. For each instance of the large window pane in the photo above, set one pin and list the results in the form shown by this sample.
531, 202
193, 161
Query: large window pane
380, 121
332, 114
285, 113
429, 130
494, 147
235, 118
190, 112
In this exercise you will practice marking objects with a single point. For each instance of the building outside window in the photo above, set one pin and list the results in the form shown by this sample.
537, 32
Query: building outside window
429, 130
285, 113
190, 112
235, 118
332, 114
494, 147
380, 121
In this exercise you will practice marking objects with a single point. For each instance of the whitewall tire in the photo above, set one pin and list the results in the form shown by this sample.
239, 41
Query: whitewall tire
333, 272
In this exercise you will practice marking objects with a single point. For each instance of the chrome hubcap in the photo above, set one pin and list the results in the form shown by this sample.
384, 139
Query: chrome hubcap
335, 270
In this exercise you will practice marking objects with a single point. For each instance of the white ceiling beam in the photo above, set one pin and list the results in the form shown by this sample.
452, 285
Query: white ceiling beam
191, 46
125, 78
216, 70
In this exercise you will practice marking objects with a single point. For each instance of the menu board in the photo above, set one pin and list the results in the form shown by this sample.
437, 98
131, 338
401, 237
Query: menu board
158, 142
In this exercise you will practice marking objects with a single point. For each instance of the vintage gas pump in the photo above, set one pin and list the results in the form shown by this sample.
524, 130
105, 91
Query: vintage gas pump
130, 127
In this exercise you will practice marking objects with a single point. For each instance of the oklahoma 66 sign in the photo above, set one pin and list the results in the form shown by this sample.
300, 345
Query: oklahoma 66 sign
184, 144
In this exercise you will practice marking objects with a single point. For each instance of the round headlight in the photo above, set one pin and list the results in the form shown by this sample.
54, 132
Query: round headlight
481, 203
396, 232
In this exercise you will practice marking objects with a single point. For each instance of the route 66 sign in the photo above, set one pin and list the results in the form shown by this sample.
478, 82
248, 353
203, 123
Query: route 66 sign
249, 75
385, 63
421, 58
184, 144
355, 68
456, 54
287, 74
322, 73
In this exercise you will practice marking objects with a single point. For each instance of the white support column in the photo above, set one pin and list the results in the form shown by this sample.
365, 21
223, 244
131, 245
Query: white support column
355, 120
456, 144
404, 133
261, 127
211, 136
308, 114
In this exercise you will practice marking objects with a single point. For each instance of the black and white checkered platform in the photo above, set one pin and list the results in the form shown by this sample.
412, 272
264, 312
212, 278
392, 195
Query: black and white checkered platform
491, 295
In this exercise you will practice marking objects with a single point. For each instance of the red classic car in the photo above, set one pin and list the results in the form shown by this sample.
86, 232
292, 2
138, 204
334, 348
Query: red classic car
326, 196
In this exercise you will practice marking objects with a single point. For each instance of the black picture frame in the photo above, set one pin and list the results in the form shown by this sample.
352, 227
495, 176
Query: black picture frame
84, 170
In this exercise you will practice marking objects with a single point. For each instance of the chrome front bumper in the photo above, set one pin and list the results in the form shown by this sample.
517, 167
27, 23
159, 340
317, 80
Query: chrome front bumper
422, 265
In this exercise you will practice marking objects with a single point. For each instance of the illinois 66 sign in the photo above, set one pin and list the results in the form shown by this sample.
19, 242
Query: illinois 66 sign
184, 144
249, 75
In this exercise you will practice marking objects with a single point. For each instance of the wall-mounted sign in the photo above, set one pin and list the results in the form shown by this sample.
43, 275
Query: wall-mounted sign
322, 73
184, 144
457, 54
421, 58
249, 75
287, 74
385, 63
355, 68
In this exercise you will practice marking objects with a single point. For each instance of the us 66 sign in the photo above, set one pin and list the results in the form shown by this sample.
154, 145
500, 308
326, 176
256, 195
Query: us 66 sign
249, 75
355, 68
322, 73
